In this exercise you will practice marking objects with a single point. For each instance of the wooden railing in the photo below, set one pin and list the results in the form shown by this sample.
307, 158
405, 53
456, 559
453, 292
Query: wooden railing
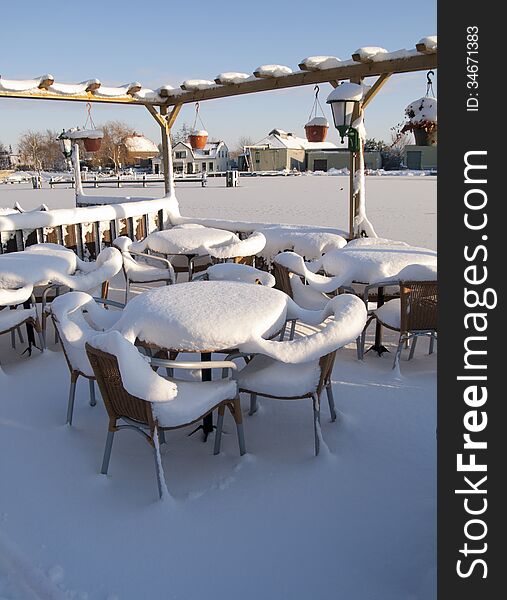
85, 230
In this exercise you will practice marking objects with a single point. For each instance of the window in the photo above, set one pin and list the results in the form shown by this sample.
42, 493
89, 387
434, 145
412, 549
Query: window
204, 166
205, 152
211, 166
181, 154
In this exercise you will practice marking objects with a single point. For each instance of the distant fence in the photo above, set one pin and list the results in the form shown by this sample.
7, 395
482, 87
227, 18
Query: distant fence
144, 180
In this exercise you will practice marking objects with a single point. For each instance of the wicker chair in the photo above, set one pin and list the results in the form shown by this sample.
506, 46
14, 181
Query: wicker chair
139, 415
305, 380
76, 357
414, 314
137, 268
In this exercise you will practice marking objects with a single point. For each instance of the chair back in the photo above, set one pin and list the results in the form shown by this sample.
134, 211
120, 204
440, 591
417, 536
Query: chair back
119, 403
419, 300
326, 367
282, 279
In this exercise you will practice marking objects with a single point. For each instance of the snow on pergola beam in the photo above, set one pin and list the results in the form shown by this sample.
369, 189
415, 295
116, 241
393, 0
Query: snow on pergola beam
44, 88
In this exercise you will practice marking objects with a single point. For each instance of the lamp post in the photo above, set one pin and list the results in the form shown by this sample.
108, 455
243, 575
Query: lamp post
65, 146
343, 100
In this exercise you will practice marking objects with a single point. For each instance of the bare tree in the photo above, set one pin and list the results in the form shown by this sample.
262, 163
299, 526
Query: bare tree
40, 150
243, 141
181, 134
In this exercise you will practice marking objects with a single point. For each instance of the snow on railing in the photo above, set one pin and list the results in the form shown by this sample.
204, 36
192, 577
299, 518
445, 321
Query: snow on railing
86, 229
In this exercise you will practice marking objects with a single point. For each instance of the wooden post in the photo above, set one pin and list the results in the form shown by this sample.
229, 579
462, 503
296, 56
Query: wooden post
353, 204
166, 122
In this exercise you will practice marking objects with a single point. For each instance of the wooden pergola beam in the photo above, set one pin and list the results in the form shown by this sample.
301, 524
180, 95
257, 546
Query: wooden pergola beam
414, 62
375, 89
417, 62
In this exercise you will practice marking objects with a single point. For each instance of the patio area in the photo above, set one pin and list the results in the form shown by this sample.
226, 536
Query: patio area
280, 520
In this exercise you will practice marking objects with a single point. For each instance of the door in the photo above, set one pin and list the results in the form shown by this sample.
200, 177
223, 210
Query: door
414, 159
320, 164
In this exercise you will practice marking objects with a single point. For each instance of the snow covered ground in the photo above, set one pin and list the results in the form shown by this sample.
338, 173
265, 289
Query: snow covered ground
356, 523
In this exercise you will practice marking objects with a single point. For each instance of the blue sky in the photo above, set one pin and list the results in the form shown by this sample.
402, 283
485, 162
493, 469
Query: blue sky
166, 42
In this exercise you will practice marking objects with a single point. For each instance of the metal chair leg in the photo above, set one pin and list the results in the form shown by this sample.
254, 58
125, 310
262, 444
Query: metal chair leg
316, 423
359, 348
412, 347
330, 399
107, 452
218, 432
161, 436
93, 400
253, 404
20, 335
158, 470
292, 330
72, 395
432, 343
127, 286
241, 438
13, 339
238, 417
398, 352
282, 333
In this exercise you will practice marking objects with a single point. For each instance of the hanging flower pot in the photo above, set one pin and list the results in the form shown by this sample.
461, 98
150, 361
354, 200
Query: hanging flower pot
316, 129
198, 139
92, 144
422, 121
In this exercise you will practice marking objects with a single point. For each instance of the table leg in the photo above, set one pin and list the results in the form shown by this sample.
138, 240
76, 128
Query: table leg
207, 422
29, 331
378, 347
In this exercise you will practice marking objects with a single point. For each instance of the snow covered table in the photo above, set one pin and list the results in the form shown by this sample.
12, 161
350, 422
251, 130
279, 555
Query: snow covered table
364, 261
205, 317
193, 241
215, 316
368, 260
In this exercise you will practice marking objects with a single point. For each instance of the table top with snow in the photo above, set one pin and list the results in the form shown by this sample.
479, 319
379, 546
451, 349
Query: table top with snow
186, 239
204, 315
369, 260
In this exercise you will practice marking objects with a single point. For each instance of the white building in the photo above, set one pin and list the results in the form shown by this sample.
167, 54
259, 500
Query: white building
187, 160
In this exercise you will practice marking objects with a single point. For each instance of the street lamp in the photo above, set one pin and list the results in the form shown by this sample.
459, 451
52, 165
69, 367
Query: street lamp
65, 144
343, 100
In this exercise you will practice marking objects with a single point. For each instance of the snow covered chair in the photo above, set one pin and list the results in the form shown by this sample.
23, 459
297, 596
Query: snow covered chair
288, 268
239, 272
302, 368
77, 316
13, 316
240, 249
150, 404
414, 314
137, 268
87, 275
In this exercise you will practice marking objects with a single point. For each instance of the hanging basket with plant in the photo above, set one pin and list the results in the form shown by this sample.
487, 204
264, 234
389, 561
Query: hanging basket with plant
317, 126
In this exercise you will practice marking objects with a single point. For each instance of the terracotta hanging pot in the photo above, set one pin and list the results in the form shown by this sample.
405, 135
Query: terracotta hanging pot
92, 144
316, 129
198, 139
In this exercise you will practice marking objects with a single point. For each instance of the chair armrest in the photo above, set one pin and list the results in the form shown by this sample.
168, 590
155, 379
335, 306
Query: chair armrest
166, 262
194, 365
107, 302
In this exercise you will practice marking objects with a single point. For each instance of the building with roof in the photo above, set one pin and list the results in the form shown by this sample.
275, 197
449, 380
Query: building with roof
214, 157
279, 151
